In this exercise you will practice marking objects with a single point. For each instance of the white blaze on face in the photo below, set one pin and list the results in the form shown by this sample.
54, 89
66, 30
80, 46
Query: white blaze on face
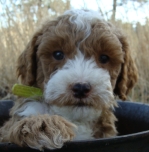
83, 19
79, 70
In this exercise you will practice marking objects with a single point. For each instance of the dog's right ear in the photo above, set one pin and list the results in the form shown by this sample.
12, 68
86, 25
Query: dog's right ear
27, 62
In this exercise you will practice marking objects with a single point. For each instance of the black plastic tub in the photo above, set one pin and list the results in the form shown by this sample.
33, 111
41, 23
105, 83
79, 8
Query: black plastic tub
132, 125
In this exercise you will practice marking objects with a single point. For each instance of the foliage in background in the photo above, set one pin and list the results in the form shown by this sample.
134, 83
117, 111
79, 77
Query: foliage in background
19, 20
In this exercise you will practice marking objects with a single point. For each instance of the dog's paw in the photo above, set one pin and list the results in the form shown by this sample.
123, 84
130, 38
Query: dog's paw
43, 131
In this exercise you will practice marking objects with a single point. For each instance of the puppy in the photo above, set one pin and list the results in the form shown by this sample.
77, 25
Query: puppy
81, 63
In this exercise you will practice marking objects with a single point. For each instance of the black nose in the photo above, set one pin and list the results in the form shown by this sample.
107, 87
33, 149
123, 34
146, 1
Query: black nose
81, 90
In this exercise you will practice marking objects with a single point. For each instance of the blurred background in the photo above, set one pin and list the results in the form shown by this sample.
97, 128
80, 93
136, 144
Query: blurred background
20, 18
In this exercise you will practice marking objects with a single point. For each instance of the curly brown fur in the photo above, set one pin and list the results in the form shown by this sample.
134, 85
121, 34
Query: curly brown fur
106, 125
128, 75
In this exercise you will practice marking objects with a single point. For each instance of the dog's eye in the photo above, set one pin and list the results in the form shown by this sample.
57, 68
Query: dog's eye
58, 55
104, 59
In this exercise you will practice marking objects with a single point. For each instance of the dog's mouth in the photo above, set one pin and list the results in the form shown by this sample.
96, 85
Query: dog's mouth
81, 103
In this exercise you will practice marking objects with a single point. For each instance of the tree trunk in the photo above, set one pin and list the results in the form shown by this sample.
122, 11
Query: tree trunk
114, 10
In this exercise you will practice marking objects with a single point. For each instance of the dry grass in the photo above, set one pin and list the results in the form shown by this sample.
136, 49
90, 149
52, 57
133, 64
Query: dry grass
21, 25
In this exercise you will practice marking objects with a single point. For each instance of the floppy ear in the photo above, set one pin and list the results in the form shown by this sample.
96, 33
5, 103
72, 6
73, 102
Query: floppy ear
128, 75
27, 64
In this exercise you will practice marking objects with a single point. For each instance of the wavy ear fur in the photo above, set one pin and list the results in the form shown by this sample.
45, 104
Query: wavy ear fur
128, 75
27, 64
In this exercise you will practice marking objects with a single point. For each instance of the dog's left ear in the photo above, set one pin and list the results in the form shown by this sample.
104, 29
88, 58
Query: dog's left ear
128, 75
27, 62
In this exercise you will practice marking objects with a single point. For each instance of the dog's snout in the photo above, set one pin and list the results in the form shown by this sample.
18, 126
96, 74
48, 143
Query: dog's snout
81, 90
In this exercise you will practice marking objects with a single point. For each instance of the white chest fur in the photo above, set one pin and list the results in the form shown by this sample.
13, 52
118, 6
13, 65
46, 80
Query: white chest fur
83, 117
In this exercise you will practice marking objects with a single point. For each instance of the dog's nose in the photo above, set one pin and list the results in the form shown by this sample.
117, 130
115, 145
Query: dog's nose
81, 90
